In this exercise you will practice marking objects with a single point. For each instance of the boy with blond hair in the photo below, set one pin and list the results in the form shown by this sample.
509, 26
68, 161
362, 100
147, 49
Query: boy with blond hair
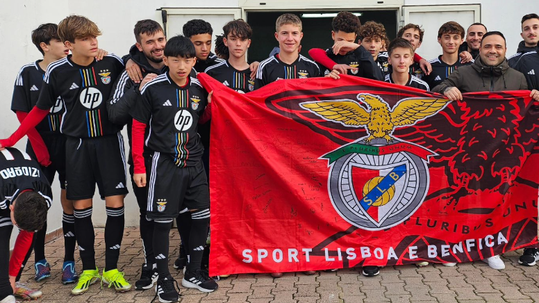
288, 63
94, 145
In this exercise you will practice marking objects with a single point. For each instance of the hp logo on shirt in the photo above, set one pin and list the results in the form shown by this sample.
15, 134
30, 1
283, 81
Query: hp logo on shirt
91, 97
183, 120
58, 106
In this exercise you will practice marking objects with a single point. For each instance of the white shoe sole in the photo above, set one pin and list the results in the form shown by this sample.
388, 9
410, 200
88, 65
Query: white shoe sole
188, 284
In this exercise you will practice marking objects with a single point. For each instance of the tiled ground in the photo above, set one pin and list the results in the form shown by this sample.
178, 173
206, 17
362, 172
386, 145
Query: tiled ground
464, 283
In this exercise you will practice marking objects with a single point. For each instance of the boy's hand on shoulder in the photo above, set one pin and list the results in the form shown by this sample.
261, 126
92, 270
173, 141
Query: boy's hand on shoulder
133, 71
465, 57
100, 54
209, 97
148, 78
254, 67
140, 179
425, 66
344, 46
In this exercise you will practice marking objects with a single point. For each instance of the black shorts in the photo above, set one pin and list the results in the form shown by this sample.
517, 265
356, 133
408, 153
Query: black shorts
171, 188
56, 145
98, 160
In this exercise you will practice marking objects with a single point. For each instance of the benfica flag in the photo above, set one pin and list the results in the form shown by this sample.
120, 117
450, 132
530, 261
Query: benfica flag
314, 174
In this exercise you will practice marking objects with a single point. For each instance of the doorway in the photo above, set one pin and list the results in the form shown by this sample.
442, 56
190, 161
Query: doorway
316, 31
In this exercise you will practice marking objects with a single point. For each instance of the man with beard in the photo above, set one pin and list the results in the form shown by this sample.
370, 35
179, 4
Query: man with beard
147, 53
474, 34
489, 72
530, 34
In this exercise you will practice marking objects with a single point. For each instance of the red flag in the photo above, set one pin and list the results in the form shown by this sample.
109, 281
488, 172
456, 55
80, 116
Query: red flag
314, 174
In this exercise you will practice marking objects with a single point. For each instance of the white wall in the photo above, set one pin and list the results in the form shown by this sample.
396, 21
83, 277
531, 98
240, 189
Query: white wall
116, 20
499, 15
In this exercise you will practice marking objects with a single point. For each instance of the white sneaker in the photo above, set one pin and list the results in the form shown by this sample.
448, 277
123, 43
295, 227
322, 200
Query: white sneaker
495, 262
449, 264
9, 299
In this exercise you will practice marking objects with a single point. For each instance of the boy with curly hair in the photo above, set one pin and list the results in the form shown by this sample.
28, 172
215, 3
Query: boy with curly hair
373, 35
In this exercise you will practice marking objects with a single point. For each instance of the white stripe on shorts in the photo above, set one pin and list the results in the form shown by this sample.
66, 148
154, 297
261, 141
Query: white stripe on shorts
151, 184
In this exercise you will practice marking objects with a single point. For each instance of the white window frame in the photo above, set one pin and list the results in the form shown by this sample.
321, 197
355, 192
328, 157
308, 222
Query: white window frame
406, 10
236, 11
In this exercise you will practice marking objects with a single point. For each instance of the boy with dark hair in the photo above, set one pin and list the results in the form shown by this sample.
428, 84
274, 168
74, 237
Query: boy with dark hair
46, 144
170, 108
530, 34
288, 63
450, 37
414, 34
401, 54
351, 58
147, 53
235, 71
94, 146
199, 32
25, 196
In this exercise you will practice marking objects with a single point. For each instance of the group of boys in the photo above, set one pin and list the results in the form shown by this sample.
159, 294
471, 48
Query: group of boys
73, 114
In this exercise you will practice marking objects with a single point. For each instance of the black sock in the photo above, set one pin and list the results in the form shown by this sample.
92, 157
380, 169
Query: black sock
183, 222
84, 232
146, 234
197, 237
68, 227
114, 232
39, 243
5, 234
161, 231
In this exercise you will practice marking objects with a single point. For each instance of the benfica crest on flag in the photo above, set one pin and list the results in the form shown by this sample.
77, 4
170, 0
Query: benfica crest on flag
314, 174
378, 181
